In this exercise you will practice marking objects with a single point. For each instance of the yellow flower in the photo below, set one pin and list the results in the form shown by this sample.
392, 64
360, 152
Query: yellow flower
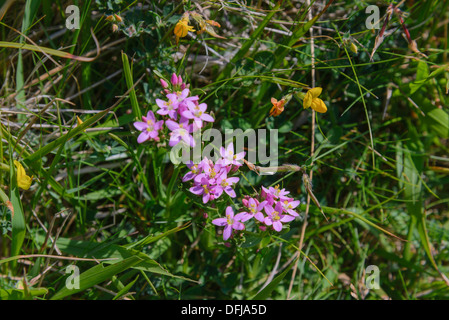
79, 121
182, 28
23, 181
311, 100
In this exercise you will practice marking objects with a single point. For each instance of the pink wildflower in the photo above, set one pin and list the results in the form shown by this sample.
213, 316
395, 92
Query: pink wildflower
230, 223
229, 157
149, 127
180, 131
275, 217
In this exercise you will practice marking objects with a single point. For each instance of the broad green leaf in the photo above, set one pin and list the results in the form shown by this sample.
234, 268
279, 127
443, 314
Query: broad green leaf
97, 275
126, 289
20, 294
86, 249
438, 121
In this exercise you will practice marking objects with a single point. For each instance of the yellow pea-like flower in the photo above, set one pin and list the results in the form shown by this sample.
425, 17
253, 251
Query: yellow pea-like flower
311, 100
182, 28
23, 181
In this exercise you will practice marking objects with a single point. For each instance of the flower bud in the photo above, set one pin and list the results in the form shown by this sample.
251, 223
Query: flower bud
245, 201
174, 79
118, 18
164, 83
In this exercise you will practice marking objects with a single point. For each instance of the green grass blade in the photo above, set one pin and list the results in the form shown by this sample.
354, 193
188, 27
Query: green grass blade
129, 82
97, 275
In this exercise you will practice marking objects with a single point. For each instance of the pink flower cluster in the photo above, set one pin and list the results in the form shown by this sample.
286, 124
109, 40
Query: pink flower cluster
178, 109
211, 179
278, 208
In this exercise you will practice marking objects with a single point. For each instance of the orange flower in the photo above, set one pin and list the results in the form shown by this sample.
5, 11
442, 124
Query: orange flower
278, 107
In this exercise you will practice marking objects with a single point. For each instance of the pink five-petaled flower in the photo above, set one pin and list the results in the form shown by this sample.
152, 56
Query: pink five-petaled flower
195, 169
210, 170
198, 114
254, 210
149, 127
202, 188
230, 222
289, 206
181, 96
229, 157
168, 107
275, 217
276, 192
180, 131
225, 184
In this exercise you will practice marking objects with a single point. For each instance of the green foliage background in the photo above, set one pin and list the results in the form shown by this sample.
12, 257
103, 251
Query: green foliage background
98, 195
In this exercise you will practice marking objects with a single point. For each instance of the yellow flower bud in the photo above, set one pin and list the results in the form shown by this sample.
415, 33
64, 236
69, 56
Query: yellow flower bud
23, 181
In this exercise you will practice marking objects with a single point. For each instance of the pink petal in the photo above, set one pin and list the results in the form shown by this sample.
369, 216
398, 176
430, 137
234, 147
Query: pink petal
293, 212
171, 125
141, 126
187, 114
229, 212
259, 216
287, 218
207, 117
161, 103
227, 232
238, 225
220, 222
230, 192
233, 179
244, 216
268, 221
144, 136
206, 197
158, 125
277, 226
188, 176
150, 115
196, 190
